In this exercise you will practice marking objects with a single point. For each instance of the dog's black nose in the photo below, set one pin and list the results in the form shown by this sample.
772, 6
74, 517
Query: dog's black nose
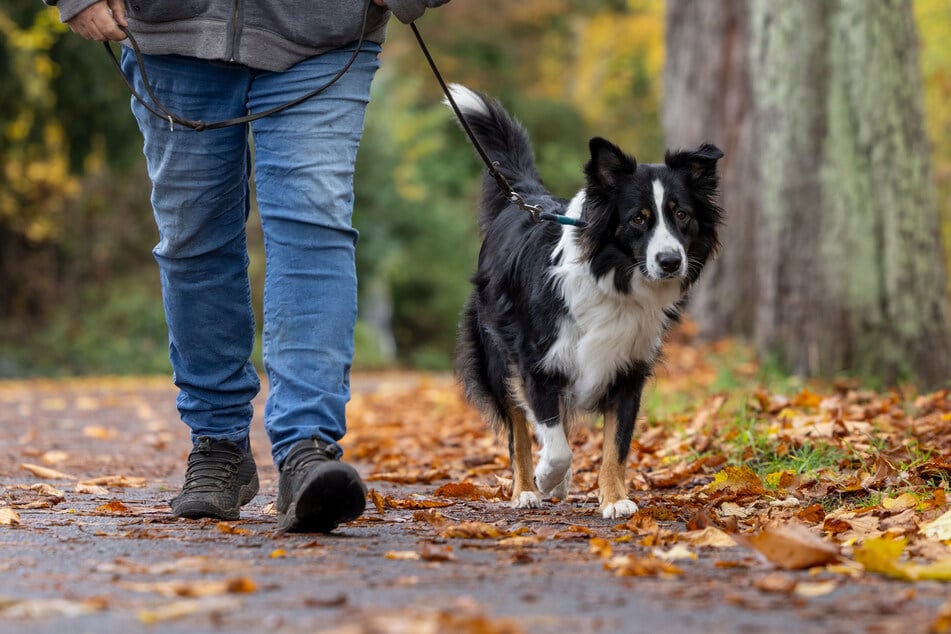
669, 262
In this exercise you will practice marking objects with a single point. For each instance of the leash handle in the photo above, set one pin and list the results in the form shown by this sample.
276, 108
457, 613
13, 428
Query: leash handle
159, 110
536, 212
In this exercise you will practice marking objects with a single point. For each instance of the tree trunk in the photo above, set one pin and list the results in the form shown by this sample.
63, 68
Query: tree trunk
831, 260
707, 45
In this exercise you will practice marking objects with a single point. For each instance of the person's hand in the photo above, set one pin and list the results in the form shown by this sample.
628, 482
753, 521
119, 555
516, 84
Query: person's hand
101, 21
380, 3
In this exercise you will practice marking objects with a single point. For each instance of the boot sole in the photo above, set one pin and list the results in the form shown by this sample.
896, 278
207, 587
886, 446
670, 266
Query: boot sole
333, 495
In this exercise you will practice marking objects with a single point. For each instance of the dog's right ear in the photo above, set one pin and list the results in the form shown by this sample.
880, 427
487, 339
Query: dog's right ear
608, 164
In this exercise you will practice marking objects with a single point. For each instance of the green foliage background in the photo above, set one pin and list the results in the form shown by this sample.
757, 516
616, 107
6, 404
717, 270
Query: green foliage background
79, 291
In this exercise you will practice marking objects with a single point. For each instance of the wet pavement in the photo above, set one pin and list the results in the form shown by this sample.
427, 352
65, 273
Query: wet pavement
114, 560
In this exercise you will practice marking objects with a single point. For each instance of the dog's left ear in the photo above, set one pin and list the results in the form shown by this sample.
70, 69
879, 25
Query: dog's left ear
700, 164
608, 164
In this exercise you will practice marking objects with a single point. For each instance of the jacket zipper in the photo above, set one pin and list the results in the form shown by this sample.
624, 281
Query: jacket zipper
233, 44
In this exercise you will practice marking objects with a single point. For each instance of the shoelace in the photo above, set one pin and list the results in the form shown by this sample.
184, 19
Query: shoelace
308, 455
210, 468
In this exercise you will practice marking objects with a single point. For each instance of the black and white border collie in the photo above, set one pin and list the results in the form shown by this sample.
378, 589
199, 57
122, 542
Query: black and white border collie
566, 321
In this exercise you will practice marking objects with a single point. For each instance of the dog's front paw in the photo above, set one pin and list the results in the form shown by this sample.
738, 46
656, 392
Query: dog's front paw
561, 489
618, 510
553, 477
526, 500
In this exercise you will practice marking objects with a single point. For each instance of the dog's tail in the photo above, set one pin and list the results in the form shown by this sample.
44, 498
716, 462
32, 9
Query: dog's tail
506, 143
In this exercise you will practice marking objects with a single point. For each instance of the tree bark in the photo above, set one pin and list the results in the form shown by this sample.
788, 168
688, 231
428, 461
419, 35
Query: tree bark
708, 97
832, 260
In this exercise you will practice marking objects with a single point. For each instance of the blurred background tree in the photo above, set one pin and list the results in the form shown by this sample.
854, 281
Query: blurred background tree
834, 261
78, 288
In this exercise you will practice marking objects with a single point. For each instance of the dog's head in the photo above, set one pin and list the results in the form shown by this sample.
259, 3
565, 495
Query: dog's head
658, 220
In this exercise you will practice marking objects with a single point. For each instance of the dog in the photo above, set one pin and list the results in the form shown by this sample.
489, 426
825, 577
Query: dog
564, 321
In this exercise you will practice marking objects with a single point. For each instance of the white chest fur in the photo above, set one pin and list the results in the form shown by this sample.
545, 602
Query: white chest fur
604, 332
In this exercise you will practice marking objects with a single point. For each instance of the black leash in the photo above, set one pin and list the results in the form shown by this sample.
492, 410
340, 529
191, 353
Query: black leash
535, 211
157, 108
160, 111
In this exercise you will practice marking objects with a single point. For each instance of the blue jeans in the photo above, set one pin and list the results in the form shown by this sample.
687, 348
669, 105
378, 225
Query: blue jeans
303, 163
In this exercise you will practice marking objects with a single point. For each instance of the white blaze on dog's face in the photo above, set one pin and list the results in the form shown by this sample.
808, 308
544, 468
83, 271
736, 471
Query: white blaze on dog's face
665, 256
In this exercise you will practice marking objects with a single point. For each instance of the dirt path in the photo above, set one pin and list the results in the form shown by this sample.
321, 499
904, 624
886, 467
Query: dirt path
113, 560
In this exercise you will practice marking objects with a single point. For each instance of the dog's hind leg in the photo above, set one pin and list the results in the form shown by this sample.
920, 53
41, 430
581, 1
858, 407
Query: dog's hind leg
524, 492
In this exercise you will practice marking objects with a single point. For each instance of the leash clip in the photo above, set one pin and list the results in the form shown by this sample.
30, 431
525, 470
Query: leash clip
535, 211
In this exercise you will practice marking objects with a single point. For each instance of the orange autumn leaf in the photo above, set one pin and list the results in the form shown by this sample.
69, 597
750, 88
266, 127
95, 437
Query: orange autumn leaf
791, 546
737, 480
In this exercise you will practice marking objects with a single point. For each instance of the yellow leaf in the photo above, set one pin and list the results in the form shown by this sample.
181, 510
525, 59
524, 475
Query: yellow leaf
737, 480
900, 503
600, 547
231, 529
277, 553
884, 556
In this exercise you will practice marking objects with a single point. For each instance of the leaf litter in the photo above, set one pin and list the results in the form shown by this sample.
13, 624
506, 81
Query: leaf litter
785, 481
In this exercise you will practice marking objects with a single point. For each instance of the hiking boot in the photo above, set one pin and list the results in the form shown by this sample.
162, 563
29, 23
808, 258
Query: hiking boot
221, 478
316, 491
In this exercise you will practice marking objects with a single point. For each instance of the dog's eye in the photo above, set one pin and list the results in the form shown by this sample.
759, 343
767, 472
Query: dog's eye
638, 220
681, 215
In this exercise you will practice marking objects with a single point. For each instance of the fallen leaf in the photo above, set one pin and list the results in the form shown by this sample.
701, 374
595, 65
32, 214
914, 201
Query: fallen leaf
812, 514
435, 518
277, 553
431, 552
230, 529
42, 488
630, 566
54, 456
677, 551
45, 472
600, 547
939, 529
709, 536
791, 546
473, 530
92, 489
900, 503
9, 517
883, 555
193, 588
115, 507
99, 433
732, 509
46, 608
467, 491
815, 588
403, 555
115, 481
780, 582
942, 622
737, 480
188, 607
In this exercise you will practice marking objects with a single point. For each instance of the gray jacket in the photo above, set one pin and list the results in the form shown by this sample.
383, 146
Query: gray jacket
270, 35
